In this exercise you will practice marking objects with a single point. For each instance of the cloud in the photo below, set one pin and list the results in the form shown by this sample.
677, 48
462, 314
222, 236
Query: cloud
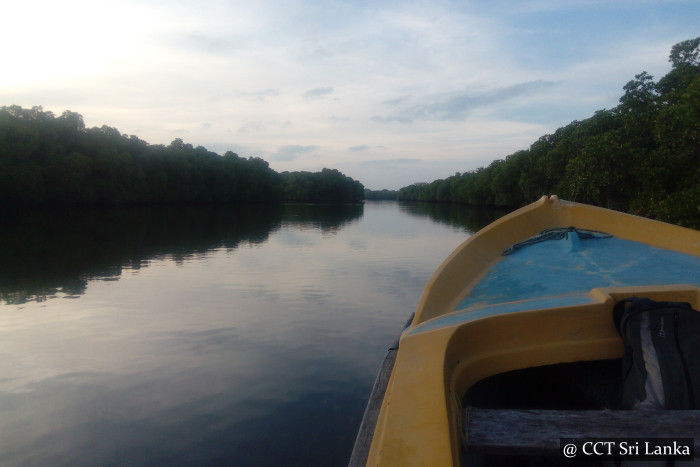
392, 162
396, 101
456, 106
292, 152
256, 126
250, 127
317, 93
259, 96
209, 44
359, 148
250, 67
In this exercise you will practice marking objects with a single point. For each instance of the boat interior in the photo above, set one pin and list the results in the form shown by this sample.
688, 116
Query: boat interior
585, 385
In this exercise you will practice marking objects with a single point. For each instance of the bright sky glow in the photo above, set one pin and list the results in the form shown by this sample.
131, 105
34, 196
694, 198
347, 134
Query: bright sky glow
388, 92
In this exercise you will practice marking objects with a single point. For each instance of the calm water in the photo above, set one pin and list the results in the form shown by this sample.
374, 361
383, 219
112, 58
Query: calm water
205, 336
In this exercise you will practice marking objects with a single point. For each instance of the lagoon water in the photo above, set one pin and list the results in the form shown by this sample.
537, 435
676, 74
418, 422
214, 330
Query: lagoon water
205, 336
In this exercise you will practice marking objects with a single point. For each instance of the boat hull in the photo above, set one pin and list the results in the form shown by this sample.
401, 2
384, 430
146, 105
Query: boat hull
447, 349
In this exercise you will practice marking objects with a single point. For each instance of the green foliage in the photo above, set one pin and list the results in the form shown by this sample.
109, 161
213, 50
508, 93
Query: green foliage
327, 186
381, 195
55, 160
686, 53
642, 156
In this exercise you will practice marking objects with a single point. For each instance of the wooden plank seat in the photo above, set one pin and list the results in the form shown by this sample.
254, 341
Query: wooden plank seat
537, 432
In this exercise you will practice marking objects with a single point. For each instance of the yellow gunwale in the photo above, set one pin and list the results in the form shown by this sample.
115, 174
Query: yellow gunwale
419, 421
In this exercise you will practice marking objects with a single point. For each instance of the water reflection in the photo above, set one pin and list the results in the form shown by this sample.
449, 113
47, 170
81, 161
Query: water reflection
261, 350
47, 253
456, 215
229, 409
328, 218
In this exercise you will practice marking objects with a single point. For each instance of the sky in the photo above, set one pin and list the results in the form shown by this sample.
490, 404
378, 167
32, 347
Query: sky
388, 92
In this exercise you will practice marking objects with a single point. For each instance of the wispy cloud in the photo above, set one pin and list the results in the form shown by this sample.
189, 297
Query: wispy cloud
456, 106
317, 93
250, 127
208, 43
392, 162
292, 152
259, 96
396, 101
359, 148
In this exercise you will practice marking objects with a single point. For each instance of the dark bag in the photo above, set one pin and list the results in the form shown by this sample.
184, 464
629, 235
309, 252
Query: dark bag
661, 366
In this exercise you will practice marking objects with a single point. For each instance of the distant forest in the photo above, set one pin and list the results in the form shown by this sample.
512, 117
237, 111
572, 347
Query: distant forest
49, 160
381, 195
642, 156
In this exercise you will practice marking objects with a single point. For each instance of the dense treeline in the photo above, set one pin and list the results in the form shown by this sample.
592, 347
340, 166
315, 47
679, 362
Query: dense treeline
642, 156
46, 159
328, 185
381, 195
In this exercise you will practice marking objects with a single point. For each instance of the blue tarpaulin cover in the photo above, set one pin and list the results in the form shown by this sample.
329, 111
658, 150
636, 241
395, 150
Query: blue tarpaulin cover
556, 273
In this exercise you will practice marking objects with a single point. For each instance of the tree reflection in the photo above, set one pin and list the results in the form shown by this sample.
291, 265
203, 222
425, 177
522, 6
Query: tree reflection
47, 253
470, 218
